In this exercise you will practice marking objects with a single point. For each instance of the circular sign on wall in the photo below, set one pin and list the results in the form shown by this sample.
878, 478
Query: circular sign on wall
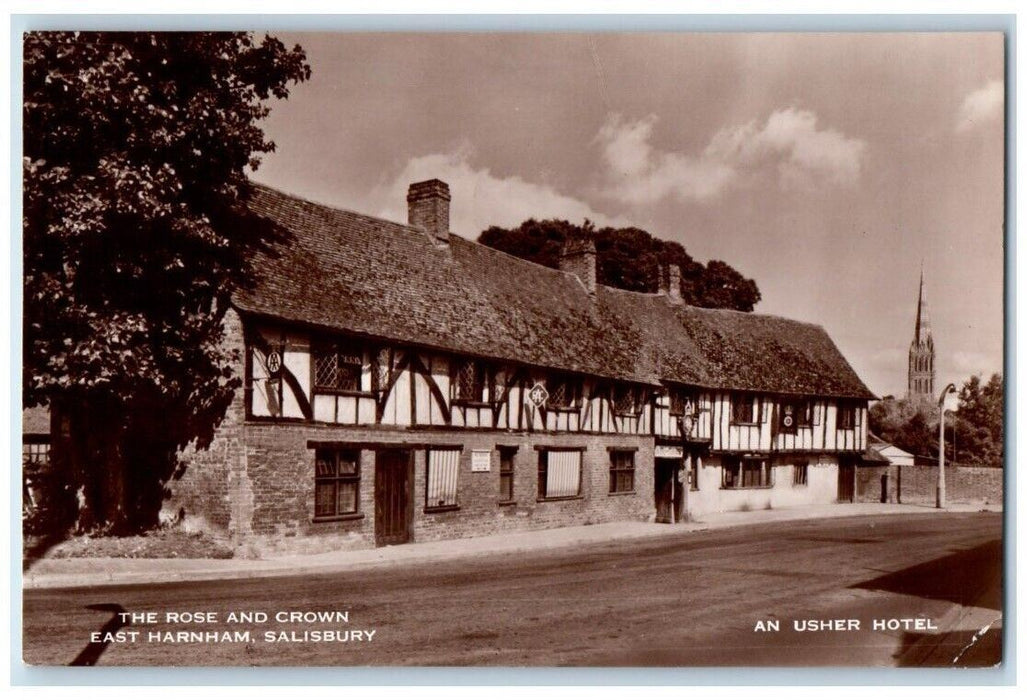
274, 361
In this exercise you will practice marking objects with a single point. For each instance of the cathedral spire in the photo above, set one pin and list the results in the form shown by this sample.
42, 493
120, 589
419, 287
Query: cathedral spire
922, 332
921, 371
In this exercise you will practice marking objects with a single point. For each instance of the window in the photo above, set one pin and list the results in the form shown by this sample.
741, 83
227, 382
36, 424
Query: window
800, 472
804, 414
679, 402
336, 483
693, 473
743, 409
846, 416
559, 474
35, 455
622, 471
337, 368
625, 400
564, 392
747, 473
440, 486
469, 382
506, 472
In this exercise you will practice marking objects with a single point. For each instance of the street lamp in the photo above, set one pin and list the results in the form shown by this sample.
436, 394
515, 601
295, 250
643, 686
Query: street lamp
949, 389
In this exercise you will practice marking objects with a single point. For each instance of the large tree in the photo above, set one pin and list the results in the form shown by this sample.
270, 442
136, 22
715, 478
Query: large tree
979, 421
629, 258
136, 152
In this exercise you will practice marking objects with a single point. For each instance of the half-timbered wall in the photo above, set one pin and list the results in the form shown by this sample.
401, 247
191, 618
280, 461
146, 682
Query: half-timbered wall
714, 420
406, 387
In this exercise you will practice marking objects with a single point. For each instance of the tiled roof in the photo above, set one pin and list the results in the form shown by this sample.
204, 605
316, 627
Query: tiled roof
366, 276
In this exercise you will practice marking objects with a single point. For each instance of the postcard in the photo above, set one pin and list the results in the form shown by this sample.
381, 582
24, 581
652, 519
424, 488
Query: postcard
507, 349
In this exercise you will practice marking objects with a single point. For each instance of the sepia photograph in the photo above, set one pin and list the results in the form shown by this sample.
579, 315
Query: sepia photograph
508, 349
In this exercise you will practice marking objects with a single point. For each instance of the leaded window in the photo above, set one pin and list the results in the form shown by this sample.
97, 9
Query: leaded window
563, 392
470, 381
743, 409
679, 402
625, 400
337, 368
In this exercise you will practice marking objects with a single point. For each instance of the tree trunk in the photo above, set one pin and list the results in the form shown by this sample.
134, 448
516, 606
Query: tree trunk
111, 477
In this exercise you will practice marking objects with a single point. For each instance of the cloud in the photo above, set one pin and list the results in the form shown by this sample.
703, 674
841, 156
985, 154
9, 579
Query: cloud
789, 142
481, 199
981, 106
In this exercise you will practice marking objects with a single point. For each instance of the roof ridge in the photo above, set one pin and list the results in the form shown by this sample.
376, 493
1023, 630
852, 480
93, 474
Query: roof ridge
518, 259
412, 229
338, 209
754, 314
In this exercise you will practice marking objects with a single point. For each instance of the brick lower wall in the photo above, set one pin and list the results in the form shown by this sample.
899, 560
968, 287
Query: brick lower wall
281, 475
209, 493
869, 484
918, 484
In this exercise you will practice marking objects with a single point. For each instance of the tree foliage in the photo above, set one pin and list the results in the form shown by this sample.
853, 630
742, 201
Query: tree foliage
629, 258
136, 151
973, 434
980, 418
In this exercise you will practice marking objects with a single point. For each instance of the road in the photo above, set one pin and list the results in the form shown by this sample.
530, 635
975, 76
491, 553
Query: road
685, 599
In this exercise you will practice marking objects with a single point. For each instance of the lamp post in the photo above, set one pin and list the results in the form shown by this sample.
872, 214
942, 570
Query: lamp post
949, 389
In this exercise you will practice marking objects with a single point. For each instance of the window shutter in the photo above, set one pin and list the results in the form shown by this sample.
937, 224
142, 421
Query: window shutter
443, 469
563, 475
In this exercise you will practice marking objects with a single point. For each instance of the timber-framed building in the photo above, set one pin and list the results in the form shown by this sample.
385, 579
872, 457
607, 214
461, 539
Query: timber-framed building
405, 384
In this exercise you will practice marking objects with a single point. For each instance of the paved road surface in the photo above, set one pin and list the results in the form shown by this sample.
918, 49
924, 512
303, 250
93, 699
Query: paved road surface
687, 599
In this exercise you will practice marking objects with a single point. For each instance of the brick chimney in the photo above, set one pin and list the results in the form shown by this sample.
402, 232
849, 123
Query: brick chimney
428, 208
579, 258
661, 279
674, 292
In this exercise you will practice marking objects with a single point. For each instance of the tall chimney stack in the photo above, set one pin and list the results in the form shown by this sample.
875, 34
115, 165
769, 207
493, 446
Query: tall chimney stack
428, 208
579, 258
674, 292
661, 279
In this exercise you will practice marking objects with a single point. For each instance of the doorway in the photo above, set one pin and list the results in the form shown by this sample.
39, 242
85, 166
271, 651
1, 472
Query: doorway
392, 496
667, 491
846, 480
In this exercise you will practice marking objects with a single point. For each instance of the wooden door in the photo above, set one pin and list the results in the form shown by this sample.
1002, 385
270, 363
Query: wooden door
392, 498
846, 481
664, 490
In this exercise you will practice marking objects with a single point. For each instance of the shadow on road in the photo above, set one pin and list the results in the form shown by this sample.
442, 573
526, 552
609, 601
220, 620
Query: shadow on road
36, 547
91, 654
966, 577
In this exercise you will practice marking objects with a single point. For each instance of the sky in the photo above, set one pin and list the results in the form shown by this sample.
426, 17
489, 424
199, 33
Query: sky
830, 168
